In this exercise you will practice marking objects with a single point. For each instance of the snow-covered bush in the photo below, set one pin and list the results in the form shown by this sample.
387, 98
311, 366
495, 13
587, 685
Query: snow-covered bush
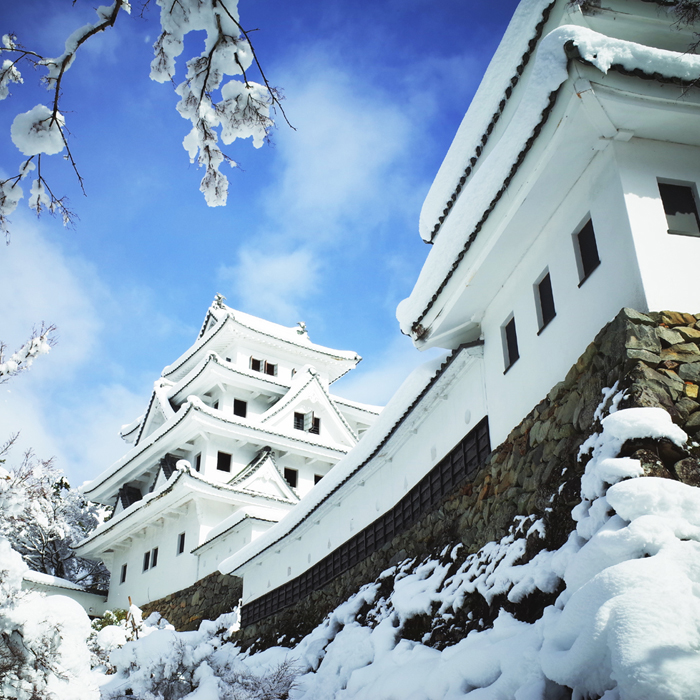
43, 649
170, 665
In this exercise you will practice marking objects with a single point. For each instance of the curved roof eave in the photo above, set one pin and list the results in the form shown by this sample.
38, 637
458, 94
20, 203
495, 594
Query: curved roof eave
491, 181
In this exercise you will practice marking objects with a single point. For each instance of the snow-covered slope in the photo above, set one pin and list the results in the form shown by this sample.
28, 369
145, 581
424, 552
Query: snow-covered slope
623, 624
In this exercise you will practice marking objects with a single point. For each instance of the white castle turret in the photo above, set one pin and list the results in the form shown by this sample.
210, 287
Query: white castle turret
236, 431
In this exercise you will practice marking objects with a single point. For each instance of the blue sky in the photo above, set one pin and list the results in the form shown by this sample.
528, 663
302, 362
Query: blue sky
321, 226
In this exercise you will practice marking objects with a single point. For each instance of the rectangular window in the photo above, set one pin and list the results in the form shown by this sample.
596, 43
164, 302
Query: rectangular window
154, 557
223, 462
291, 477
510, 343
586, 252
317, 478
255, 365
181, 543
198, 462
307, 422
270, 368
146, 560
681, 208
544, 300
122, 578
240, 408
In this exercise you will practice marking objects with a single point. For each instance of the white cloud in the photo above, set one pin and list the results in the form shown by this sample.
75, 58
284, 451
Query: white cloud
269, 285
60, 407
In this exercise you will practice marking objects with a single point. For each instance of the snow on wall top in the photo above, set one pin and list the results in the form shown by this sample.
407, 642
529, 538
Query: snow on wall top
549, 72
400, 405
494, 90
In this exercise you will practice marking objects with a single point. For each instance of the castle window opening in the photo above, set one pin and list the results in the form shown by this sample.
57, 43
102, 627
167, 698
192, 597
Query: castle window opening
181, 543
291, 476
223, 462
240, 408
510, 343
122, 577
146, 561
681, 208
586, 247
544, 299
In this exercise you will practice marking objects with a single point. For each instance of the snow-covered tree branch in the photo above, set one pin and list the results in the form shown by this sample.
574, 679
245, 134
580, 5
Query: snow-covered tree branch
39, 343
218, 108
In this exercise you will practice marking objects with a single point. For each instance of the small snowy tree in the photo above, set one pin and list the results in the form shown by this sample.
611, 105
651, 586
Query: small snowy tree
217, 108
43, 518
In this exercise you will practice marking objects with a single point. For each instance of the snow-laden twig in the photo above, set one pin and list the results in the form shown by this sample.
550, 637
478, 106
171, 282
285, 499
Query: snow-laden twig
39, 344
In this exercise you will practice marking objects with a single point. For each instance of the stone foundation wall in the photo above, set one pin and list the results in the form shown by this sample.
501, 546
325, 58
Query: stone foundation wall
654, 358
204, 600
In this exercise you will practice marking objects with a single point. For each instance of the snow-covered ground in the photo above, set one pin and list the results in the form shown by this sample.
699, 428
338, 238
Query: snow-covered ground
624, 622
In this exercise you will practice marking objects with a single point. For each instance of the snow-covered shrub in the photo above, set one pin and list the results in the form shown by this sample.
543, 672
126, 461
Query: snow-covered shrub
43, 650
171, 665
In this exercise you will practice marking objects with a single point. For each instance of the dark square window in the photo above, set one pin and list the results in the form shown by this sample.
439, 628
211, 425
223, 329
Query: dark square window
240, 408
270, 368
291, 476
510, 343
146, 560
154, 557
315, 426
299, 421
681, 209
588, 258
122, 578
198, 462
181, 543
317, 478
223, 462
255, 365
545, 301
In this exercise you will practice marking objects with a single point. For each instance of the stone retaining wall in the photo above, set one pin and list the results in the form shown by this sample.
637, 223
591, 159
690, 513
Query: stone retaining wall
206, 599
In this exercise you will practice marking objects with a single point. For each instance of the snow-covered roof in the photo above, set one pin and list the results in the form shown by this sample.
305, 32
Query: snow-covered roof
192, 484
479, 194
48, 580
226, 525
221, 317
194, 406
416, 386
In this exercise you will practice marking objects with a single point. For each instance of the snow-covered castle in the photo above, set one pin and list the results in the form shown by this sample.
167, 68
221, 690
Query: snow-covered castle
570, 191
237, 430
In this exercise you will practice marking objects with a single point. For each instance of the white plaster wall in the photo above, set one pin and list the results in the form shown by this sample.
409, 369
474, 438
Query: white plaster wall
407, 457
173, 572
229, 543
580, 311
668, 263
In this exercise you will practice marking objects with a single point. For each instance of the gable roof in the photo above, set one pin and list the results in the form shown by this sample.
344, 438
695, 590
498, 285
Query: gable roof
296, 394
263, 465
